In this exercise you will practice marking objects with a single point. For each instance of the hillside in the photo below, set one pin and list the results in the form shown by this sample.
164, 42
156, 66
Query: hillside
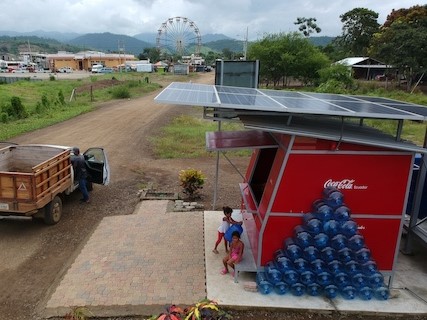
14, 45
109, 42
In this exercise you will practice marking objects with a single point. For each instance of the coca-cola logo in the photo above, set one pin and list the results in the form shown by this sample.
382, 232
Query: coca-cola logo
343, 184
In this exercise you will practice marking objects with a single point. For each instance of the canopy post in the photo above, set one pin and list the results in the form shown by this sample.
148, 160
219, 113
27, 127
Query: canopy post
216, 174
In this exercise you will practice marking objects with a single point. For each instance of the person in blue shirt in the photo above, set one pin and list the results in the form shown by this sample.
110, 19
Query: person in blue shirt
80, 173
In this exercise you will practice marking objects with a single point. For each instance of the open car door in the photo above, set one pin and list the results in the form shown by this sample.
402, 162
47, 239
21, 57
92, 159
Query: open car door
97, 165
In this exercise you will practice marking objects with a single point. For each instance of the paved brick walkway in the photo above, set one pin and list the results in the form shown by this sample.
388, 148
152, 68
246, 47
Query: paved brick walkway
142, 261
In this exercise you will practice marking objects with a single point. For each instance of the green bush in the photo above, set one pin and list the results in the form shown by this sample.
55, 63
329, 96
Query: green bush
4, 117
52, 77
191, 180
120, 92
338, 73
43, 105
61, 99
16, 109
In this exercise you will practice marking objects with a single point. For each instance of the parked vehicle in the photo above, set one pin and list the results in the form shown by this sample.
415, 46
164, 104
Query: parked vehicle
65, 70
96, 67
34, 179
106, 70
20, 70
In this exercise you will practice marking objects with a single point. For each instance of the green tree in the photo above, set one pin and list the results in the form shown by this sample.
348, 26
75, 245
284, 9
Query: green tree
402, 41
307, 26
285, 56
150, 53
360, 24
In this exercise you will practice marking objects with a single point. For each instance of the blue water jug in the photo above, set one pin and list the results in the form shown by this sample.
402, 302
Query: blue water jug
345, 255
318, 266
290, 276
359, 280
342, 213
308, 216
330, 291
356, 242
314, 289
342, 280
311, 253
302, 237
307, 277
281, 288
324, 278
329, 254
376, 280
314, 226
369, 267
264, 286
272, 272
331, 227
353, 267
339, 242
322, 210
321, 240
298, 289
349, 228
234, 227
336, 266
363, 255
348, 292
292, 249
283, 263
301, 265
334, 199
279, 253
382, 293
366, 293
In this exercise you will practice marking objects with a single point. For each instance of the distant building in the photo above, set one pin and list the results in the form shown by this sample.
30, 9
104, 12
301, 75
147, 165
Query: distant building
366, 68
86, 59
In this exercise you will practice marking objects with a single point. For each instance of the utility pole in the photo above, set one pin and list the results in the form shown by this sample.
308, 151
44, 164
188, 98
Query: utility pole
245, 45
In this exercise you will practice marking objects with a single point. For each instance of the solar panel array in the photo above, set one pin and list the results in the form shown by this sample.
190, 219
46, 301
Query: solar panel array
185, 93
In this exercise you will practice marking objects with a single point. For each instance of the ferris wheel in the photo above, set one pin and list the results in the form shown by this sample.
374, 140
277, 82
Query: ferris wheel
179, 36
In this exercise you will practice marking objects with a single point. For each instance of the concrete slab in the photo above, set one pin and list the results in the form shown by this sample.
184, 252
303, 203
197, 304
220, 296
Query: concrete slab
408, 294
136, 264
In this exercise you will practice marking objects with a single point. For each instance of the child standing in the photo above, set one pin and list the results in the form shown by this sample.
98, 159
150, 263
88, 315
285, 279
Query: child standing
222, 229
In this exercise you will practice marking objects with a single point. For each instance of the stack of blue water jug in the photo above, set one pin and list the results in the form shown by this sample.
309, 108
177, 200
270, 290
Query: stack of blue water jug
325, 256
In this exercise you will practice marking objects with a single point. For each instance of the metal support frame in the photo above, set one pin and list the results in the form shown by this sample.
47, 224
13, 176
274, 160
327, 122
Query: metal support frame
414, 224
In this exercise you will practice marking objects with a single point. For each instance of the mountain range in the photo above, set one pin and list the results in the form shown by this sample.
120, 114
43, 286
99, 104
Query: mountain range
109, 42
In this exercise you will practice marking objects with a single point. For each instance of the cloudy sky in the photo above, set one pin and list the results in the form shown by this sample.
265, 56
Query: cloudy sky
229, 17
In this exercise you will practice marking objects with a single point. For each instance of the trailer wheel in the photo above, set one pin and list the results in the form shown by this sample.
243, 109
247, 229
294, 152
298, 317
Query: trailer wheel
53, 211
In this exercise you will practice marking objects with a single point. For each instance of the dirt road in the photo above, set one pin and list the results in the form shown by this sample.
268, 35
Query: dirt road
34, 256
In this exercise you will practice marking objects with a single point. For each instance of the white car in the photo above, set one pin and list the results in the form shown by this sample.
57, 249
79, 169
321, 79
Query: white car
65, 70
20, 71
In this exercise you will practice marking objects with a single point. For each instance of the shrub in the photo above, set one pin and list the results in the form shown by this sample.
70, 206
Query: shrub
42, 105
338, 73
191, 181
120, 92
61, 98
4, 117
16, 109
52, 77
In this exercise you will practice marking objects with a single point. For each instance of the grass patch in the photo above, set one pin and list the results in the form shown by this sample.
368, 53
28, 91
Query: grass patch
184, 137
47, 102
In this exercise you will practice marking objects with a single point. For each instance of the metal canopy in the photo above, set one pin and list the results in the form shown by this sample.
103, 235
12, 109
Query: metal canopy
329, 129
290, 102
228, 140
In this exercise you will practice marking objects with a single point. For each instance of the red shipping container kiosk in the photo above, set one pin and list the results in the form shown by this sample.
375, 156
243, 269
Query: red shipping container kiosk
304, 142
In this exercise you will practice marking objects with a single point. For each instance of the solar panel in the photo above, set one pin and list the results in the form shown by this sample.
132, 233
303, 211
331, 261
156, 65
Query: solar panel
189, 94
291, 102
